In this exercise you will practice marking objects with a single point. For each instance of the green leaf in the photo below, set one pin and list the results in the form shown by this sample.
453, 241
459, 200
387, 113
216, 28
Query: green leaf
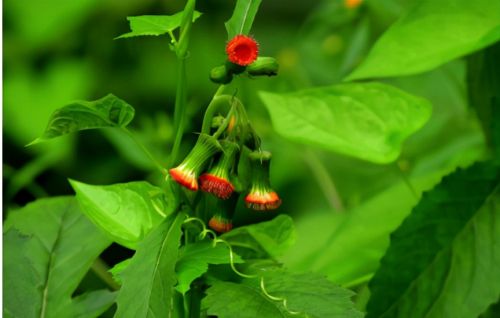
445, 253
125, 211
194, 259
109, 111
155, 24
149, 279
118, 269
264, 239
49, 245
365, 120
309, 294
93, 304
242, 19
432, 33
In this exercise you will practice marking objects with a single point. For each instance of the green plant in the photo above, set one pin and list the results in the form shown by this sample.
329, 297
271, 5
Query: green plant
191, 261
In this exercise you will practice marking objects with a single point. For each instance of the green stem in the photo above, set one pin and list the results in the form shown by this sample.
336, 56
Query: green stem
101, 270
225, 123
155, 161
217, 101
180, 110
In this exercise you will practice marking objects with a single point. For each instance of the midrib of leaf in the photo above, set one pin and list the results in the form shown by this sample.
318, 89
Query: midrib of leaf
446, 248
160, 253
89, 111
245, 15
49, 265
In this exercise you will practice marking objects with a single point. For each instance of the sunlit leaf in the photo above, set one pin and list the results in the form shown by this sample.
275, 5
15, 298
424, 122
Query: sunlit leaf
444, 254
149, 279
194, 259
271, 238
49, 247
306, 295
369, 121
109, 111
242, 19
432, 33
124, 211
155, 24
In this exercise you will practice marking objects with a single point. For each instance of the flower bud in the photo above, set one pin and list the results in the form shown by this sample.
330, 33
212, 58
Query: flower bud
216, 181
221, 220
221, 75
261, 196
263, 66
186, 174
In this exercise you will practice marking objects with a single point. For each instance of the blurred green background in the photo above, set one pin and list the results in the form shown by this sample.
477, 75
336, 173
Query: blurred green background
57, 51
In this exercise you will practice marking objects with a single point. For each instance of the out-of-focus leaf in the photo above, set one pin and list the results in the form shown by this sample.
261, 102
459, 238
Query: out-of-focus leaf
49, 246
261, 240
194, 259
445, 253
149, 279
415, 44
109, 111
155, 24
242, 19
366, 120
125, 211
308, 294
93, 304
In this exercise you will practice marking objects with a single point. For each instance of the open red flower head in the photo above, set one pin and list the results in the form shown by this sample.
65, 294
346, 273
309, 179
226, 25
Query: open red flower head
186, 174
242, 50
221, 220
216, 181
261, 196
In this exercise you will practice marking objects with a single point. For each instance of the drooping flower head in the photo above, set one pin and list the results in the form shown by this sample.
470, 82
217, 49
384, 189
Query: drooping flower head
242, 50
187, 172
261, 196
216, 181
221, 220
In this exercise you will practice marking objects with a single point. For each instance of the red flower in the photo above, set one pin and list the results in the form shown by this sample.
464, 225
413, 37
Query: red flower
220, 224
218, 186
242, 50
184, 177
262, 200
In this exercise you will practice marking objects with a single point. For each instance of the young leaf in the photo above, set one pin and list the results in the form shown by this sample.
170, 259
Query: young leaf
125, 211
365, 120
265, 239
426, 37
155, 24
49, 247
242, 19
194, 259
109, 111
149, 279
308, 294
445, 254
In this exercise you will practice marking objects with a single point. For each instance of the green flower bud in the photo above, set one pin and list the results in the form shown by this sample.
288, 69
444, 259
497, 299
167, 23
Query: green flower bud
263, 66
221, 75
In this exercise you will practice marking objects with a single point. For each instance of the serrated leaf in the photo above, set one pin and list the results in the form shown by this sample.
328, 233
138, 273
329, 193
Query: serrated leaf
149, 279
124, 211
242, 19
369, 121
147, 25
415, 44
264, 239
443, 258
49, 247
308, 294
109, 111
194, 259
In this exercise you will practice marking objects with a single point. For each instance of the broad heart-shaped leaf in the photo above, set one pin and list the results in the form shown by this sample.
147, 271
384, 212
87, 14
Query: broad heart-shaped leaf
444, 260
109, 111
49, 245
242, 19
125, 211
308, 294
149, 279
365, 120
264, 239
155, 24
432, 33
194, 259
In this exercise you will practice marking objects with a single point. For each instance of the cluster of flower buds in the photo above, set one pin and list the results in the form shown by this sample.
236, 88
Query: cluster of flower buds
242, 56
